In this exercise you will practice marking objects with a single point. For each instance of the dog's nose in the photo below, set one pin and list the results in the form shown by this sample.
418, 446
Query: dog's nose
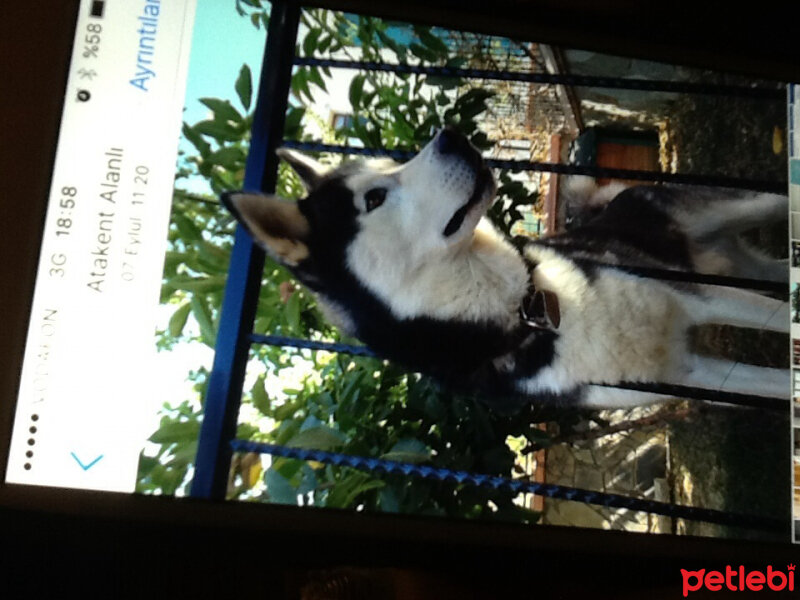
450, 141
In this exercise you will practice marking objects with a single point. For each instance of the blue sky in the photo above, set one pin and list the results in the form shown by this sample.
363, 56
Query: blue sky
222, 41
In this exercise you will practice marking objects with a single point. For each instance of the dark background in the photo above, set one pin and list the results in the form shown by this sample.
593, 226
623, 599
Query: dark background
52, 541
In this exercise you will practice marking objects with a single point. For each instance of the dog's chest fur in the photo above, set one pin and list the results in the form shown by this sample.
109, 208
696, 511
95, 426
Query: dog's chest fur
613, 326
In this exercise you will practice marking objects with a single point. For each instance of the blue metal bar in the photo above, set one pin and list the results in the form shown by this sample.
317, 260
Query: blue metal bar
279, 340
517, 486
224, 392
758, 185
665, 389
645, 85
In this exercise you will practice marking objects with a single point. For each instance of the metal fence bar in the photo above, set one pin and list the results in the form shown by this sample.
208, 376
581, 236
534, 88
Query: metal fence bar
665, 389
757, 185
694, 393
775, 287
646, 85
224, 393
379, 465
303, 344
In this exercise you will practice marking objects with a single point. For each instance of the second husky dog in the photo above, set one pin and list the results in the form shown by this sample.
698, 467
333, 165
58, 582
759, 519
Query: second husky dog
401, 257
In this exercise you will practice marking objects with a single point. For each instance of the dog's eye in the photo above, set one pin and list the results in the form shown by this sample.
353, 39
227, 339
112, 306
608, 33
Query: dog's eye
374, 198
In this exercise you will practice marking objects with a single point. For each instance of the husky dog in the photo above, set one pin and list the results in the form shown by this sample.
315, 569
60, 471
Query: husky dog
402, 257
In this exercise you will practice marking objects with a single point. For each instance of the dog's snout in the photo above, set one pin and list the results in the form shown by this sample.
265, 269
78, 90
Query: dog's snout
451, 142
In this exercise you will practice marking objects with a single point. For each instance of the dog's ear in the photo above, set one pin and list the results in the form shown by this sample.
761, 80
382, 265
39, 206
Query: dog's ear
310, 171
275, 224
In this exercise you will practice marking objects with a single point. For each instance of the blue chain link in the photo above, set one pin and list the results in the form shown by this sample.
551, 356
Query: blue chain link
549, 490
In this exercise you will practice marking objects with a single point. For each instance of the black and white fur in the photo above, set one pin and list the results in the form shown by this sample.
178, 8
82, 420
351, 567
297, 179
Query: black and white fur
401, 257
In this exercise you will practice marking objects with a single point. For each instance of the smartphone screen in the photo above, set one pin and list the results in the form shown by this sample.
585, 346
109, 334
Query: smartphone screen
135, 257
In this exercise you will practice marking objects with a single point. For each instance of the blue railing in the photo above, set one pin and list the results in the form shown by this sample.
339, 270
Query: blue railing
235, 336
239, 303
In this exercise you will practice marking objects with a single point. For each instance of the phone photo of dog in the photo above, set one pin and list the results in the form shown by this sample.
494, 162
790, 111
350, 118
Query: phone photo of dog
402, 255
553, 282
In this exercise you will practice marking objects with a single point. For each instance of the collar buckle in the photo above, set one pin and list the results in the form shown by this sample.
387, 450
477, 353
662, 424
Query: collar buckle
540, 310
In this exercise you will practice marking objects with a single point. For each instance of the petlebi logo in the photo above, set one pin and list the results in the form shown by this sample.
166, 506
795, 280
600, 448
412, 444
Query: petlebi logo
738, 580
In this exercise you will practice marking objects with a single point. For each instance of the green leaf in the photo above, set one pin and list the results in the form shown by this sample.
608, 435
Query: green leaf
294, 116
431, 41
178, 320
175, 432
293, 312
311, 422
481, 141
421, 52
287, 410
390, 43
315, 78
457, 62
288, 467
219, 131
323, 45
285, 432
183, 454
214, 256
308, 480
388, 500
300, 85
476, 93
229, 157
345, 492
321, 437
246, 431
170, 479
244, 86
203, 317
310, 41
471, 110
260, 398
443, 83
188, 230
408, 450
279, 488
197, 284
349, 391
203, 147
223, 110
356, 90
